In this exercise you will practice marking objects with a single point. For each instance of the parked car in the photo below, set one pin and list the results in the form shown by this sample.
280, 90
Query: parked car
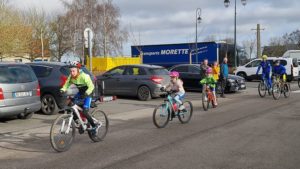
52, 76
190, 75
19, 91
143, 81
248, 71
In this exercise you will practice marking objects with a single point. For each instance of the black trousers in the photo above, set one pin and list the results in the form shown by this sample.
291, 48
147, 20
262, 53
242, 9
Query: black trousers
223, 85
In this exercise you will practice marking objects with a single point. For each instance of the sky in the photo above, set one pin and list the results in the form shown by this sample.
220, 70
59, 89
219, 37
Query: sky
174, 21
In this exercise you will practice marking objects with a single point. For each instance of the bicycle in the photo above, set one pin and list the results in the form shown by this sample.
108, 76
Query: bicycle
263, 88
63, 129
279, 87
168, 110
207, 97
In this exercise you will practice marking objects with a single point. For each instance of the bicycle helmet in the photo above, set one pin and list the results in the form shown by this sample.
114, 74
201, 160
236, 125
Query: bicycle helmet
75, 64
264, 57
174, 74
209, 70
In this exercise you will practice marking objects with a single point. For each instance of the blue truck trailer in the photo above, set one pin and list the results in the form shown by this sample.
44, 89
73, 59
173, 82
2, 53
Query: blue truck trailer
168, 55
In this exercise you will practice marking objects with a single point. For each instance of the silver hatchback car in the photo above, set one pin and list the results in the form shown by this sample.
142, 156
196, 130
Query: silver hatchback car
19, 91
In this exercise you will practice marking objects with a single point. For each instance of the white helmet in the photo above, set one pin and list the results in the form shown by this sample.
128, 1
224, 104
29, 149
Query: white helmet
74, 64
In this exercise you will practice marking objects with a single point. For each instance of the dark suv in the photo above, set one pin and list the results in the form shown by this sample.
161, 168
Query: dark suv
52, 76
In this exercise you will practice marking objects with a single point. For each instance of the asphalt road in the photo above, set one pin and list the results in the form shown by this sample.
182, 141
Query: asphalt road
245, 131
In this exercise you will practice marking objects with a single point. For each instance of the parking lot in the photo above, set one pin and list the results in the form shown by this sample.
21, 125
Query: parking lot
244, 131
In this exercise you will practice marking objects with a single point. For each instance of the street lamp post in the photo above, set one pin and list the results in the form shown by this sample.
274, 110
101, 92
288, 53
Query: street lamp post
198, 20
226, 4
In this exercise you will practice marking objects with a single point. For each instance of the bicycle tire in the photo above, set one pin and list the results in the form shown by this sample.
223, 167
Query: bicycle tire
205, 102
102, 120
163, 113
276, 91
262, 89
286, 90
185, 115
57, 138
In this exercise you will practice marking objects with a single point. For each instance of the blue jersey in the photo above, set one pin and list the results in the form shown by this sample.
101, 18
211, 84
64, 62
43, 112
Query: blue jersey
266, 67
279, 70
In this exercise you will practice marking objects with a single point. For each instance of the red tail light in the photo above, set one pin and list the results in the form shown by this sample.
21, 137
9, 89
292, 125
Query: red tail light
38, 90
156, 79
1, 94
63, 80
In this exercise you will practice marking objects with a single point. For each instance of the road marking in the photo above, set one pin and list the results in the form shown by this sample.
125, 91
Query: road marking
296, 91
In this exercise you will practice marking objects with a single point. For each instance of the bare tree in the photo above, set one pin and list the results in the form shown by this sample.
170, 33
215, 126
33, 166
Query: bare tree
37, 20
14, 34
103, 18
60, 41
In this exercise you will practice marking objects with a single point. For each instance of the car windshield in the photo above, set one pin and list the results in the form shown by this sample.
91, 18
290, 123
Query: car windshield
16, 74
159, 71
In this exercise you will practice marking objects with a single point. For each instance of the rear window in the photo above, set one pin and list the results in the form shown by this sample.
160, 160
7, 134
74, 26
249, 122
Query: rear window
65, 70
16, 74
41, 71
84, 69
159, 71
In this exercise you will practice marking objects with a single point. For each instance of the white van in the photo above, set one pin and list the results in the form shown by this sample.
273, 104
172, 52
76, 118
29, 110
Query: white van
248, 71
292, 54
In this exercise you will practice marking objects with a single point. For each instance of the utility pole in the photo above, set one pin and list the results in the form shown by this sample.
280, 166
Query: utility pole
258, 29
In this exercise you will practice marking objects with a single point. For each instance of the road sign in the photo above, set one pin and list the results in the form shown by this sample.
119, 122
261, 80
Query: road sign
88, 33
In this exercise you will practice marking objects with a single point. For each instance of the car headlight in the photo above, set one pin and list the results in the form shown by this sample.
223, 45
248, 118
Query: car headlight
231, 80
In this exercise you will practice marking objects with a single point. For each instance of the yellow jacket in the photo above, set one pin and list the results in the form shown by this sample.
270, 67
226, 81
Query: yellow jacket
216, 72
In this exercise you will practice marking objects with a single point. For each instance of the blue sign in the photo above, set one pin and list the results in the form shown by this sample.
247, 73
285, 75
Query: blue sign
172, 54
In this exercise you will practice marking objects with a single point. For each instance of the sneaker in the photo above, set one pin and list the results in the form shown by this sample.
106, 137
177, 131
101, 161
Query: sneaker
181, 107
94, 130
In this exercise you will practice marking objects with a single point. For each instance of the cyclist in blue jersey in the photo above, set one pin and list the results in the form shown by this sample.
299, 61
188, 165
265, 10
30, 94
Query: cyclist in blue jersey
266, 67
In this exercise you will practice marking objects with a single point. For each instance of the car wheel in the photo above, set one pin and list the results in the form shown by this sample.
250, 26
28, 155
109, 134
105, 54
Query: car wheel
144, 93
25, 116
49, 105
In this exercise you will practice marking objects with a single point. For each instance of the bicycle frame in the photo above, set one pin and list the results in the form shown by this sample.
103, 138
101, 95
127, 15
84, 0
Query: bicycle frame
74, 109
169, 103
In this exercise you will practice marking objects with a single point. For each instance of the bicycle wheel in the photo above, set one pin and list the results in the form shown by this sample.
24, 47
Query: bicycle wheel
101, 120
262, 89
286, 90
185, 115
62, 136
161, 115
276, 91
205, 102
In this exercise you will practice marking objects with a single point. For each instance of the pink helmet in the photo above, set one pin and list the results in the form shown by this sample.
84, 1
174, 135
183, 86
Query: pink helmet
174, 74
209, 70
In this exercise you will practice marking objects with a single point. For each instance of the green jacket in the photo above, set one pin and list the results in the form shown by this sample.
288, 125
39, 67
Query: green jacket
210, 81
83, 82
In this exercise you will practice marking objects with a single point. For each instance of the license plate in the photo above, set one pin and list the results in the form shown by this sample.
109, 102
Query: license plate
22, 94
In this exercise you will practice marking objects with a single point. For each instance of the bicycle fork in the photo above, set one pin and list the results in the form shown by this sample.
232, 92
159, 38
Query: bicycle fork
69, 122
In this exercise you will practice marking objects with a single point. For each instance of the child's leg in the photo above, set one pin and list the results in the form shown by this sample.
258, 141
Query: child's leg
213, 89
